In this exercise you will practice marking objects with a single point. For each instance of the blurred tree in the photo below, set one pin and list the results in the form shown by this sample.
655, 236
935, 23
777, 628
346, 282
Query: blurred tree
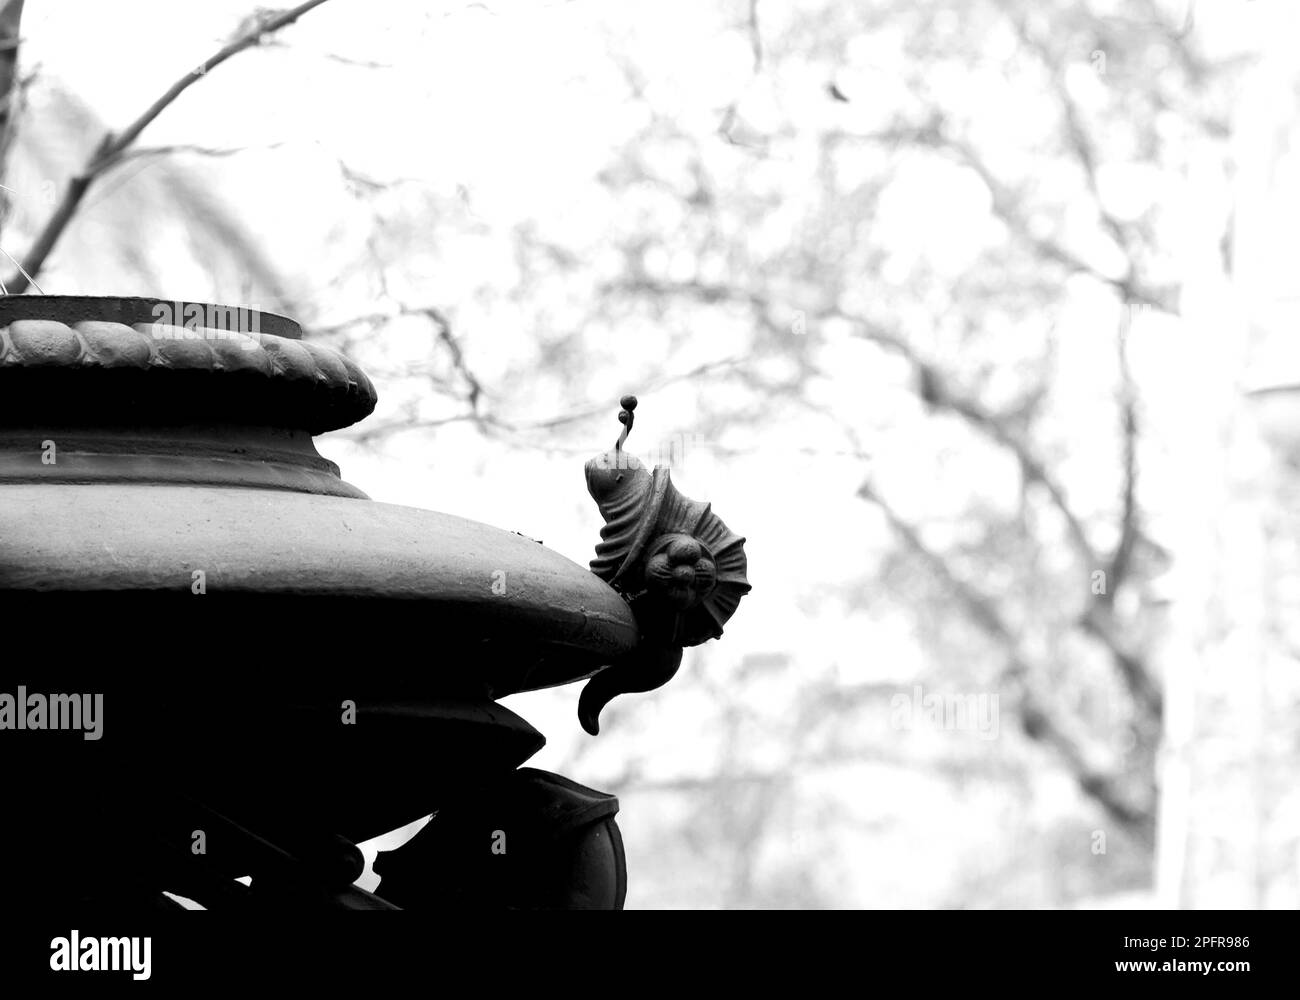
1040, 137
917, 238
1040, 132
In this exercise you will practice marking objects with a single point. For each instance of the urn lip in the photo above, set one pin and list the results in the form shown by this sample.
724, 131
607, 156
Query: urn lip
70, 360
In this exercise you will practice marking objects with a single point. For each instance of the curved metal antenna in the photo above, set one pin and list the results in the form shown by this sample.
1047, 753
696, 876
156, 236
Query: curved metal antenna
625, 417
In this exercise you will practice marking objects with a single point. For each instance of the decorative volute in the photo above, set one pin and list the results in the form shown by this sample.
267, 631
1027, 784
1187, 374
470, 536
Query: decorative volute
681, 569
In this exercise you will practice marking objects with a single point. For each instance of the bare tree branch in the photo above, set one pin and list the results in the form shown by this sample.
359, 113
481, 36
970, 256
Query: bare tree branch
730, 112
1099, 620
1006, 206
11, 14
1120, 561
141, 152
1096, 621
111, 148
979, 606
755, 37
1079, 141
934, 134
457, 355
934, 388
363, 63
1037, 721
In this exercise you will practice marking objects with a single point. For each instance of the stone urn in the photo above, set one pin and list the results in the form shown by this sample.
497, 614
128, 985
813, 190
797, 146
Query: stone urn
224, 660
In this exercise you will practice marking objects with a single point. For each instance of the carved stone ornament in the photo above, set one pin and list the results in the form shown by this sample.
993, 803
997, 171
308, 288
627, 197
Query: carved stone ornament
679, 567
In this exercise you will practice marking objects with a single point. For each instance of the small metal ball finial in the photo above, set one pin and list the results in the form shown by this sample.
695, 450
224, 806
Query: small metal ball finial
625, 417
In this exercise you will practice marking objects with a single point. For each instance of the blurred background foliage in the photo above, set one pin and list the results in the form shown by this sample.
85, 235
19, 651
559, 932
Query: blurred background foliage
898, 285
